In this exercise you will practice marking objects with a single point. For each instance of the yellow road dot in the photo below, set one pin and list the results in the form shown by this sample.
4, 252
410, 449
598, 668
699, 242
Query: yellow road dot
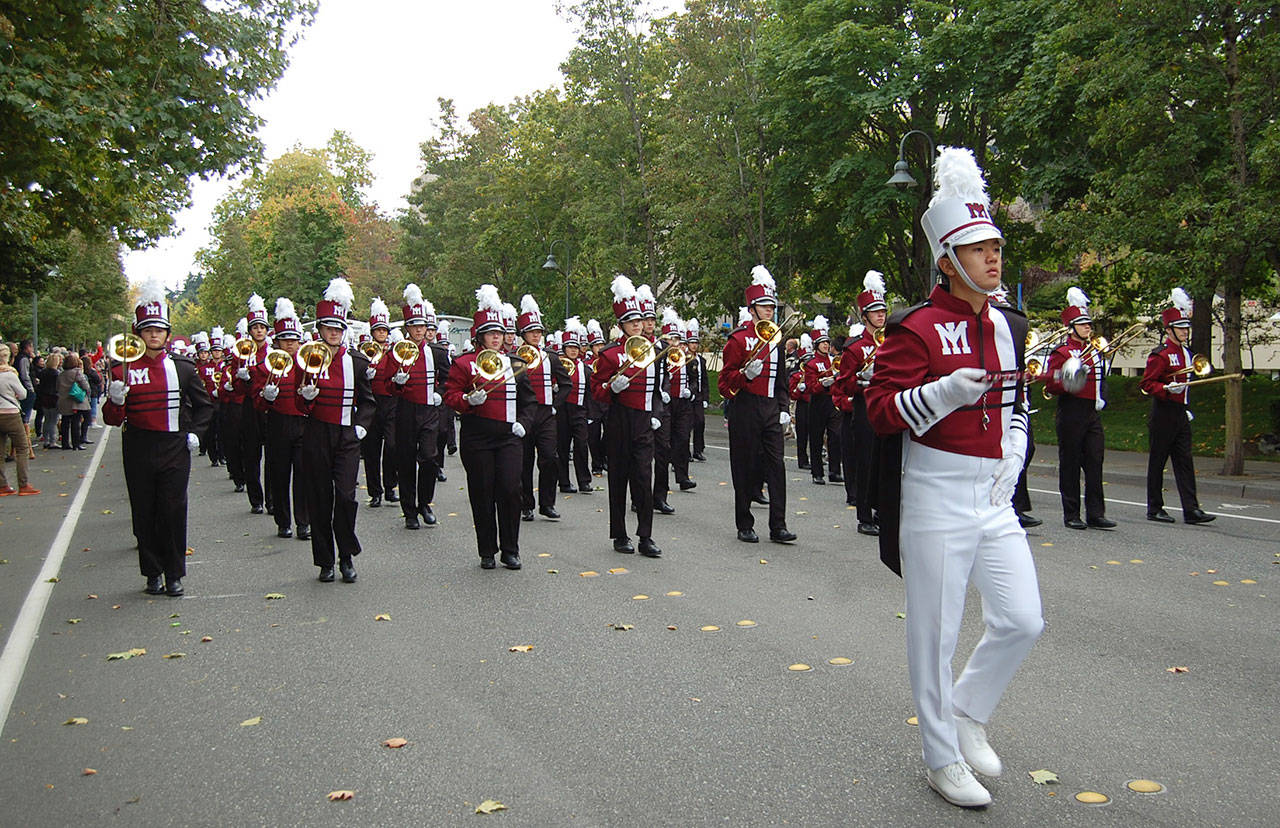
710, 628
1248, 581
799, 668
675, 593
1136, 560
840, 661
913, 721
1092, 798
639, 597
1221, 583
1114, 563
1146, 786
746, 622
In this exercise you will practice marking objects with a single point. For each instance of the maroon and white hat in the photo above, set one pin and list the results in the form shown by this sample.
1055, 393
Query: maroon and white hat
872, 296
508, 318
379, 314
287, 325
626, 304
648, 303
595, 335
821, 330
1178, 316
332, 310
530, 316
216, 338
488, 316
257, 314
1077, 310
763, 290
417, 310
806, 346
553, 342
960, 212
200, 340
693, 331
151, 311
671, 325
574, 333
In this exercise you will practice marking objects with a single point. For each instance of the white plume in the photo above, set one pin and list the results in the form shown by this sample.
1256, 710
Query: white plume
412, 294
622, 288
856, 330
444, 328
806, 342
669, 316
1076, 298
379, 308
873, 281
529, 305
820, 323
256, 304
760, 275
1181, 300
509, 312
468, 346
645, 294
428, 308
285, 308
242, 326
956, 175
693, 325
593, 327
151, 291
227, 342
743, 315
574, 325
487, 298
217, 335
339, 291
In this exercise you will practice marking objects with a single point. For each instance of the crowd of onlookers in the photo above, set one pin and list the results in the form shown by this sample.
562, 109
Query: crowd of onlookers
48, 398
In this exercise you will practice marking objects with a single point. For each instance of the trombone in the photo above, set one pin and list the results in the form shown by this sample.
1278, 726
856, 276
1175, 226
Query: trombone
490, 366
313, 359
244, 348
372, 351
405, 352
676, 357
126, 347
1105, 349
878, 337
770, 335
640, 353
1199, 366
278, 363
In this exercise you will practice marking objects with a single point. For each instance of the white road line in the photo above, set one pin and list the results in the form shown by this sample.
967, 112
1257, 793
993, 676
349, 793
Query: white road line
1167, 508
13, 662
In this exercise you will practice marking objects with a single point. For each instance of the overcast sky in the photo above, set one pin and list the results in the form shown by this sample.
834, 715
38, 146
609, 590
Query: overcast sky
375, 69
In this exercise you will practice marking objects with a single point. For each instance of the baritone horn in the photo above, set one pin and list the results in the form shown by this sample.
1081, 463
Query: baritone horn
314, 359
770, 336
675, 357
491, 368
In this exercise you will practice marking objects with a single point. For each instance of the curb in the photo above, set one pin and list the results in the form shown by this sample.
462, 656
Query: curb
1242, 487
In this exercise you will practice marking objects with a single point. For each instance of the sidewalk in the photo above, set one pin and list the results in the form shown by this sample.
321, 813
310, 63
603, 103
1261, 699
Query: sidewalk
1260, 481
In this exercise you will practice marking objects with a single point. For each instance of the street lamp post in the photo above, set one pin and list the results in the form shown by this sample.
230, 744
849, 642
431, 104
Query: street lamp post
902, 178
552, 264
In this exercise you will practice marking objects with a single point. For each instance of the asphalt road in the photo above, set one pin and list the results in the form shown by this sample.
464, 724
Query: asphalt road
595, 725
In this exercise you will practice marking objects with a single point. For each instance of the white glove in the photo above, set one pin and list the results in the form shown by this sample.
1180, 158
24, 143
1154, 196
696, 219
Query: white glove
517, 430
619, 383
784, 418
686, 394
436, 399
827, 382
927, 404
361, 431
553, 410
116, 392
270, 392
1099, 404
1176, 387
227, 385
370, 372
193, 442
1014, 447
666, 398
591, 422
867, 373
242, 374
704, 404
655, 422
309, 392
400, 377
753, 369
1190, 416
801, 387
477, 397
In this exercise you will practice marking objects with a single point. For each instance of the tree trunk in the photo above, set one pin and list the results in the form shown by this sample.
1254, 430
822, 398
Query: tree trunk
1233, 415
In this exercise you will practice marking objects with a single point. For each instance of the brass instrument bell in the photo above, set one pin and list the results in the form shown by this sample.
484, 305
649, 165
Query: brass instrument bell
278, 362
244, 347
570, 366
371, 350
405, 352
313, 359
126, 347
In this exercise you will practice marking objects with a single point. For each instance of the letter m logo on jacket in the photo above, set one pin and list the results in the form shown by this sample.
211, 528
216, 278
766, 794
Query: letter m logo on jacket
139, 376
954, 337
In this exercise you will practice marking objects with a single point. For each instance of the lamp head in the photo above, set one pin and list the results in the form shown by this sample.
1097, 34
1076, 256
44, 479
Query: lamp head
901, 178
551, 263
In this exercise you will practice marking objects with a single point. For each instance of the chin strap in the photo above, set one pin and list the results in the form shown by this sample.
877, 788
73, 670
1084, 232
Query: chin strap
965, 276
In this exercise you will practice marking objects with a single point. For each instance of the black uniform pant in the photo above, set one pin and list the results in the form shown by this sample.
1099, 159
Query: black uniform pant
662, 457
629, 444
681, 427
230, 415
540, 435
378, 449
824, 421
211, 439
699, 427
1080, 449
491, 455
1169, 436
446, 436
284, 459
416, 426
801, 422
252, 432
595, 443
863, 469
755, 437
330, 464
1021, 495
157, 468
572, 431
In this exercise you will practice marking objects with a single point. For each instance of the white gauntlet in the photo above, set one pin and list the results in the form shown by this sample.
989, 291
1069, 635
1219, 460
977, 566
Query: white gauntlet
925, 405
619, 383
116, 392
477, 397
242, 374
753, 369
309, 392
270, 392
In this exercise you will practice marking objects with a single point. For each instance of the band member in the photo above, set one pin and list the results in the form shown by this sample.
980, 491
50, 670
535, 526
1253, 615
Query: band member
550, 383
378, 448
253, 424
339, 404
842, 399
953, 448
799, 391
630, 386
824, 419
231, 398
491, 406
418, 384
165, 405
1080, 438
508, 327
701, 390
447, 438
682, 402
1169, 424
753, 376
573, 413
208, 367
597, 409
276, 393
663, 438
856, 367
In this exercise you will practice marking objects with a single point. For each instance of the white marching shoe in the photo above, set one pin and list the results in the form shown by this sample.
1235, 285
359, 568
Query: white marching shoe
972, 737
956, 785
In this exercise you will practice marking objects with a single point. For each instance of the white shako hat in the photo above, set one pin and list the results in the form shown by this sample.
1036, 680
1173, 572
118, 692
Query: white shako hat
960, 212
151, 310
257, 311
1077, 309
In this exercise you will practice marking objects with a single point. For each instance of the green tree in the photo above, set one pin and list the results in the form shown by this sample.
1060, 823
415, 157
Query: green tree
83, 300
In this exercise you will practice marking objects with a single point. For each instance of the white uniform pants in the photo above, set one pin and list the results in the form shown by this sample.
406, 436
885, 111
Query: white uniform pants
951, 533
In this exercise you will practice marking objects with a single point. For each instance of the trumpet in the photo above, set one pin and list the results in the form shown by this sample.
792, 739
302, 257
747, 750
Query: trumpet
489, 365
372, 351
244, 347
640, 353
770, 335
405, 352
278, 363
570, 366
314, 359
126, 347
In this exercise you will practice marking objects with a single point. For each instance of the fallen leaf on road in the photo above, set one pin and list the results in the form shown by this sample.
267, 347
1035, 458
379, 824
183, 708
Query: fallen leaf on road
91, 597
206, 639
116, 606
1043, 777
127, 654
590, 573
382, 616
489, 806
553, 572
397, 742
1221, 583
544, 554
274, 596
623, 627
77, 720
764, 561
74, 620
256, 720
1248, 581
899, 615
640, 597
618, 570
174, 655
88, 772
106, 511
1177, 670
1212, 571
520, 648
55, 579
671, 627
337, 796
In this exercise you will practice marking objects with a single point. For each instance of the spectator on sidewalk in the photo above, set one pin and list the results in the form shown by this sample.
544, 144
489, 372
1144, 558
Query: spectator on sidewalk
48, 391
95, 392
22, 363
12, 393
72, 406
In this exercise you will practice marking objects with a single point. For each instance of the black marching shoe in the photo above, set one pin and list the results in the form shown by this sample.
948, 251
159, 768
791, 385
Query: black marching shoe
1027, 521
451, 449
173, 587
698, 456
1198, 515
304, 531
428, 516
239, 487
284, 532
649, 549
782, 536
411, 522
1074, 523
748, 536
549, 512
441, 477
662, 507
818, 481
868, 529
835, 478
526, 515
487, 562
623, 545
256, 510
155, 585
375, 501
586, 488
391, 496
348, 570
511, 560
804, 466
570, 489
760, 498
271, 509
1101, 523
1160, 516
326, 575
686, 485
